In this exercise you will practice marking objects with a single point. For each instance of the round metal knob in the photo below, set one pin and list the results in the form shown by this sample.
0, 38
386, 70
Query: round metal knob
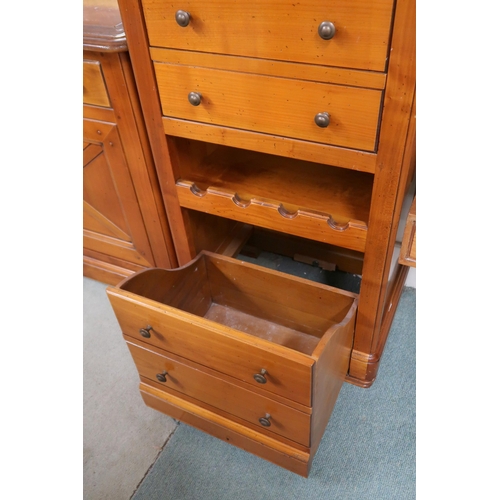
259, 377
265, 421
145, 332
182, 18
194, 98
326, 30
322, 119
161, 376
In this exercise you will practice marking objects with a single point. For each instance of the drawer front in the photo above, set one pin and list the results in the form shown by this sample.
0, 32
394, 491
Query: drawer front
191, 381
282, 30
94, 87
277, 106
238, 356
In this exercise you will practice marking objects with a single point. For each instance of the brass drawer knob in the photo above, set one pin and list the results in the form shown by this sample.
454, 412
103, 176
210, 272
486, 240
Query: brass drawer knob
162, 376
265, 421
326, 30
194, 98
322, 120
260, 378
145, 332
182, 18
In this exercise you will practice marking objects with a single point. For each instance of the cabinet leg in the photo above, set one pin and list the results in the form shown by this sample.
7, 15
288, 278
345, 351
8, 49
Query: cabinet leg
363, 367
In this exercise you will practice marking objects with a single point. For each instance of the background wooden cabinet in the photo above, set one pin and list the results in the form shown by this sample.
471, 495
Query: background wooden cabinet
124, 223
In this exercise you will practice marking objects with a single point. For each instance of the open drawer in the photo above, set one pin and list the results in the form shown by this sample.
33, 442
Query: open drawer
259, 326
240, 343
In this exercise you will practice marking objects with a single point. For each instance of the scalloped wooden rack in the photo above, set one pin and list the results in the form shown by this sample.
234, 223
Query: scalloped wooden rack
270, 214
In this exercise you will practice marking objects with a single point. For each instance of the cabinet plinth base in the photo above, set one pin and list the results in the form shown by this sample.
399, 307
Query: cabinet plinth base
363, 367
269, 449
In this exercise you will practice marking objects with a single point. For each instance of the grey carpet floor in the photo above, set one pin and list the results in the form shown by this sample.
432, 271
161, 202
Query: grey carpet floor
367, 452
121, 436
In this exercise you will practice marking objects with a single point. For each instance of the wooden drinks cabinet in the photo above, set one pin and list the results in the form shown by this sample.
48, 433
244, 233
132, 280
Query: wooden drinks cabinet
281, 126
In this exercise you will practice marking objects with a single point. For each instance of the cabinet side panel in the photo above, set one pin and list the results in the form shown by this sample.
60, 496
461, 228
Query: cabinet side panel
390, 175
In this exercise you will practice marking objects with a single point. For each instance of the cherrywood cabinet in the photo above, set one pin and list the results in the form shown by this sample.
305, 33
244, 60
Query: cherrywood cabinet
279, 126
125, 228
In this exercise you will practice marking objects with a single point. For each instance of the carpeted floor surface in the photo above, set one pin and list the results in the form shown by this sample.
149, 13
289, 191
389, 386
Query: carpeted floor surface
121, 436
367, 453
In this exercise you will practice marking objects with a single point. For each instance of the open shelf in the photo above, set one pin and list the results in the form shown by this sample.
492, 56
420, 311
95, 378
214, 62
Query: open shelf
327, 204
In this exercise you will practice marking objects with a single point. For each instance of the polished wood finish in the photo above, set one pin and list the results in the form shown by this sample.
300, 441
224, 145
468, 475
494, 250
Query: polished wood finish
111, 226
208, 386
222, 346
124, 223
167, 301
344, 194
329, 374
251, 152
323, 205
395, 165
102, 27
408, 255
94, 88
228, 430
272, 144
291, 104
281, 30
213, 325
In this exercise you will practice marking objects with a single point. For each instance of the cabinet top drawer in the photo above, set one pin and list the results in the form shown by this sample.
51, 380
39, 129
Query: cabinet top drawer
282, 30
238, 319
102, 26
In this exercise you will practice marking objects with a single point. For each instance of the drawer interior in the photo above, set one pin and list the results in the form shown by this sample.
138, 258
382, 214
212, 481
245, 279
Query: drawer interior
280, 308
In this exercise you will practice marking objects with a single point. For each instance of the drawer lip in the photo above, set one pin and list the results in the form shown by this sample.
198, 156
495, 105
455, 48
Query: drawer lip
286, 364
226, 331
212, 326
227, 350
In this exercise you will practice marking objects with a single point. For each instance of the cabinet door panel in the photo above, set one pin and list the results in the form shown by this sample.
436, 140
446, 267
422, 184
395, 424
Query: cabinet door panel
112, 220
